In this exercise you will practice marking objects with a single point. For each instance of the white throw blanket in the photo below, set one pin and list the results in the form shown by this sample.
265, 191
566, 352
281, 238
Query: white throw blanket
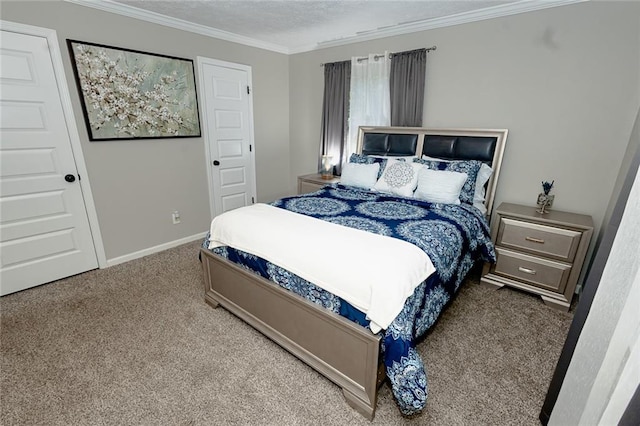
374, 273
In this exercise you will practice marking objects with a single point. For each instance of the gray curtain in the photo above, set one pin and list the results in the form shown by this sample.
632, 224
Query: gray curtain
335, 113
408, 72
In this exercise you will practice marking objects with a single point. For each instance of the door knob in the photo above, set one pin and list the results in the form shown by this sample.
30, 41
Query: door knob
216, 163
70, 178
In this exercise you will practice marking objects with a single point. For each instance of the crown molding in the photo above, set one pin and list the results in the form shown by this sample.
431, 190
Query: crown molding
522, 6
179, 24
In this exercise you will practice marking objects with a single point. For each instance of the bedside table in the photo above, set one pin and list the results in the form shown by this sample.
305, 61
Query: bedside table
313, 182
540, 253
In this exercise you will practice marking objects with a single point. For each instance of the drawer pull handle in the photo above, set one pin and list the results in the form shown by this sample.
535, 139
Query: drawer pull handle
527, 270
534, 240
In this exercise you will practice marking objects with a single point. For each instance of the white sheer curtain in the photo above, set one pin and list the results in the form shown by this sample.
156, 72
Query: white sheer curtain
369, 99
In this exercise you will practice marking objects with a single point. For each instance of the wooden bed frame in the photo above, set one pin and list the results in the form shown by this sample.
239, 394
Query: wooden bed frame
343, 351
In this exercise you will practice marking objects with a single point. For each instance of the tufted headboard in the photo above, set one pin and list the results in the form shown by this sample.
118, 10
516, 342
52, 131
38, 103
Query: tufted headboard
449, 144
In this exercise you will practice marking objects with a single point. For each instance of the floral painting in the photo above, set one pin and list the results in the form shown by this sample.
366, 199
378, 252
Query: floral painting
128, 94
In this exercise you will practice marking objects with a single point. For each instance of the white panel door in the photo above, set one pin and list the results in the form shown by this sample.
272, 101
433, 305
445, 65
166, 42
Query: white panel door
229, 134
44, 227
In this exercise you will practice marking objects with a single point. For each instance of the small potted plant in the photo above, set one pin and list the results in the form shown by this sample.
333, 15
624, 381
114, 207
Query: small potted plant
545, 200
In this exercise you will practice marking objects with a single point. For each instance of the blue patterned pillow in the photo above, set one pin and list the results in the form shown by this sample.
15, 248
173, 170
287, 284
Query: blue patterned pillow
360, 159
372, 159
470, 167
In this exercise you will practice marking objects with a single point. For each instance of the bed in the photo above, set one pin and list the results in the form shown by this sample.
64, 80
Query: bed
353, 343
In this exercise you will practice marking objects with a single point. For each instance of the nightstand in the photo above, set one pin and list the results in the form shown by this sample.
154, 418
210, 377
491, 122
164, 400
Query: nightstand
540, 253
314, 182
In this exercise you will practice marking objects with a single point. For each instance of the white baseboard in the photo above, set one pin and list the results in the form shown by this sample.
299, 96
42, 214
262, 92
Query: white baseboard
155, 249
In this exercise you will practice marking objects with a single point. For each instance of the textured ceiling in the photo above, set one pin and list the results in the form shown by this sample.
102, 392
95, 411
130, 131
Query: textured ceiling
292, 26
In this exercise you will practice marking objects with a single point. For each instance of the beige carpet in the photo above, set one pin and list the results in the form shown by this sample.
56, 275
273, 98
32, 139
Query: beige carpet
136, 344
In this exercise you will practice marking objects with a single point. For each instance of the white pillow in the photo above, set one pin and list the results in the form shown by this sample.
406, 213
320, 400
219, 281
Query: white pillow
484, 174
360, 175
481, 207
426, 157
399, 178
384, 158
440, 186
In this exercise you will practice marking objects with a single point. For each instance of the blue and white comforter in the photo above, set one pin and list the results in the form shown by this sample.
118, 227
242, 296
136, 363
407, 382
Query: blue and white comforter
454, 237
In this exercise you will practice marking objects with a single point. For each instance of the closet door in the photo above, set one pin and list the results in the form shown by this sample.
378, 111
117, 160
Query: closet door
228, 133
44, 227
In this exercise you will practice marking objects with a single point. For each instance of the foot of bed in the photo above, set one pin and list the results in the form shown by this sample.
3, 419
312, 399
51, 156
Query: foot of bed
355, 368
359, 405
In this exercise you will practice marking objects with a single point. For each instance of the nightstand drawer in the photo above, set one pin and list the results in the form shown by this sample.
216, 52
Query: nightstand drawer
533, 270
544, 240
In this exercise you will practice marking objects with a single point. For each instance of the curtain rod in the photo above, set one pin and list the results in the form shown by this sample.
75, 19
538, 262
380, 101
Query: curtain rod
428, 49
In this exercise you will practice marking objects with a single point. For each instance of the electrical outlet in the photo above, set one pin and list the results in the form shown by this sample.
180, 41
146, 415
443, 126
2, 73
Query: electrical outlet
175, 217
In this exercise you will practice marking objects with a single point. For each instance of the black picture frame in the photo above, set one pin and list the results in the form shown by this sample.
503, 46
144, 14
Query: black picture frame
128, 94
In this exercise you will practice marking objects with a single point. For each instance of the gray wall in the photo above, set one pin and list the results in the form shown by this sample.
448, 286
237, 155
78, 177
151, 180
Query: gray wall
137, 184
565, 81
